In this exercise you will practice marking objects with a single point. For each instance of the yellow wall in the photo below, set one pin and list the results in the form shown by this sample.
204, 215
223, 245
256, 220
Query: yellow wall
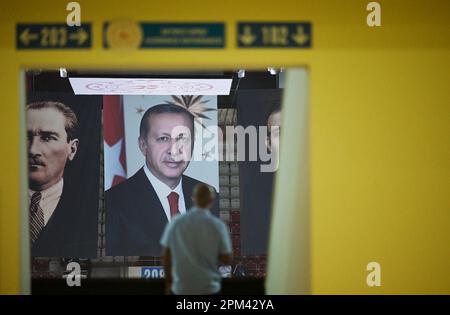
379, 125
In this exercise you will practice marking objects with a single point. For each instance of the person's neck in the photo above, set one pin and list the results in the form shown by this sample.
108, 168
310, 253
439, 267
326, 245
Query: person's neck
172, 184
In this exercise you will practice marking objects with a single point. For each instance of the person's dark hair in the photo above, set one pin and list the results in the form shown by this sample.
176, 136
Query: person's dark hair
203, 195
162, 109
71, 124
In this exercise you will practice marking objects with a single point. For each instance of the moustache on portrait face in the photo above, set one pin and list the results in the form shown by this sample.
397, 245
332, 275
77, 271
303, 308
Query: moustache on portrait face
34, 160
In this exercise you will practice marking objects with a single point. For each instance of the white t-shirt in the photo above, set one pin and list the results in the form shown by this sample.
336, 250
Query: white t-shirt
196, 239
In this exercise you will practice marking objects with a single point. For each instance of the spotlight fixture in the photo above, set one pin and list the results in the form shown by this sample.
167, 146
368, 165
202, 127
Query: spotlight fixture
241, 73
63, 72
272, 70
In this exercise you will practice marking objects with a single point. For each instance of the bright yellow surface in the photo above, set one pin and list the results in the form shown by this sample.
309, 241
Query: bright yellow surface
379, 125
289, 263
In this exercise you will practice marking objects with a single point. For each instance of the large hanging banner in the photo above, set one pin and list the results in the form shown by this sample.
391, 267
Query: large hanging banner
63, 133
260, 109
155, 147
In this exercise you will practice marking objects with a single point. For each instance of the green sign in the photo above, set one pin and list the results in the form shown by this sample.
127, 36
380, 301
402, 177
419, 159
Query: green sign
53, 36
142, 35
274, 35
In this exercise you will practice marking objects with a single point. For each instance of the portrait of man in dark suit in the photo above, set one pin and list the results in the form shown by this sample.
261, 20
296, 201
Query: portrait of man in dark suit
260, 108
58, 226
138, 209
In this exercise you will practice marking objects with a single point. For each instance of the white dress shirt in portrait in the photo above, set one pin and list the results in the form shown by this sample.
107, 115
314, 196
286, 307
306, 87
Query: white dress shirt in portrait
162, 190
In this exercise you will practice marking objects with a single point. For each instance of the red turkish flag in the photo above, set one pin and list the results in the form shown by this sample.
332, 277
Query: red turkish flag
115, 165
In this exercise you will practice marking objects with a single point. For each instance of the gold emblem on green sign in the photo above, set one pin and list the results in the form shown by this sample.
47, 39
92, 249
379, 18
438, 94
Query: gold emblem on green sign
123, 34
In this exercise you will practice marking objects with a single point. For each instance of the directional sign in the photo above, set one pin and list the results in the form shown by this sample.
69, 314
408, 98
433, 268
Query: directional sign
141, 35
53, 36
277, 35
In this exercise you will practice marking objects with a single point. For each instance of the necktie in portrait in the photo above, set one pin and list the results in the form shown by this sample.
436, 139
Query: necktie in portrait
173, 203
36, 217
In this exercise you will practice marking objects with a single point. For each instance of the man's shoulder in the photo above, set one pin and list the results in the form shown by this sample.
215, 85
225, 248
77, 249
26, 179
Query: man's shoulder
209, 217
127, 185
191, 182
217, 221
130, 187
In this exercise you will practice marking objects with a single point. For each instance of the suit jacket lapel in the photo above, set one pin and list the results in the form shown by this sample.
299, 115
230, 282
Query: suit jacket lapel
147, 201
187, 193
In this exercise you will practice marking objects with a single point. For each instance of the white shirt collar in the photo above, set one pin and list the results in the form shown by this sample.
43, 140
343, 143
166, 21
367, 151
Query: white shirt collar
162, 190
56, 189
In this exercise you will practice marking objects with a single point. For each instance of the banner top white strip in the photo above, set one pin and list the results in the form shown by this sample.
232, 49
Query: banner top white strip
130, 86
